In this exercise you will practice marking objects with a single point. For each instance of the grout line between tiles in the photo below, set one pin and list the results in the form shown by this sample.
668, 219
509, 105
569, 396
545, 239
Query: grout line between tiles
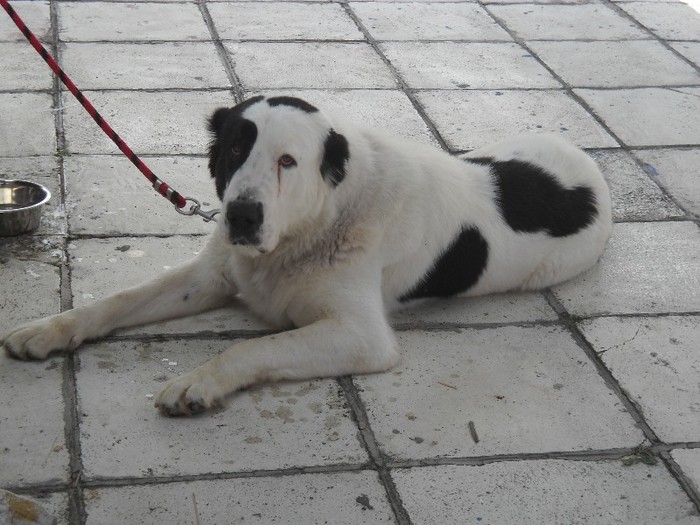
630, 405
370, 443
76, 504
401, 83
226, 59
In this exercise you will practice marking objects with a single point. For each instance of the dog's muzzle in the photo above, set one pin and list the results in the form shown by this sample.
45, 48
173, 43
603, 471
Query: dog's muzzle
244, 217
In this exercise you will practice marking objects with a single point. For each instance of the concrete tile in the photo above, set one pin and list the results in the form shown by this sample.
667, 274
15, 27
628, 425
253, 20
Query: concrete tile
105, 266
117, 22
567, 22
634, 196
670, 20
27, 124
24, 69
470, 119
22, 279
689, 461
31, 422
35, 15
44, 171
526, 390
55, 503
306, 498
269, 65
458, 65
272, 427
649, 116
428, 21
676, 171
160, 123
109, 195
615, 64
283, 21
501, 308
548, 491
655, 359
186, 65
690, 50
380, 109
646, 268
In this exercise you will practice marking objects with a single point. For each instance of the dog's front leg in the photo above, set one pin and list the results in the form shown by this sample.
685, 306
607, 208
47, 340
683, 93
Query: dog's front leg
188, 289
326, 348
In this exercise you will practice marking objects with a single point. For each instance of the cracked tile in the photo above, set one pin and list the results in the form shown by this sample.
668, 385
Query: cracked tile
656, 362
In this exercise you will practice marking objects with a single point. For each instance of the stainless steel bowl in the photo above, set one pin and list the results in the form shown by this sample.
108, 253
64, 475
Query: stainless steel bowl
21, 202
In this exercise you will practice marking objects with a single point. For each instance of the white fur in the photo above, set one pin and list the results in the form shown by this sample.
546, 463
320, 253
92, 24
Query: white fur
332, 261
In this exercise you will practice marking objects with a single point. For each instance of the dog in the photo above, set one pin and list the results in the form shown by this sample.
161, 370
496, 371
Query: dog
325, 227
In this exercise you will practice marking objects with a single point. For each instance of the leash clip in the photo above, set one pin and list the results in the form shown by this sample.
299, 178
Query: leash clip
196, 209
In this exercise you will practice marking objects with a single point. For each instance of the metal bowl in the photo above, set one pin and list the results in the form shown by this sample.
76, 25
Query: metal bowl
20, 206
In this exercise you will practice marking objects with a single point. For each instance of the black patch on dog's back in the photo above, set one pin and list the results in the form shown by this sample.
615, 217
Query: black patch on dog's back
457, 269
292, 102
230, 130
531, 199
335, 154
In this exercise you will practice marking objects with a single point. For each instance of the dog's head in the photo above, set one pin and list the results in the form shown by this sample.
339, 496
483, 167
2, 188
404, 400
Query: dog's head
275, 161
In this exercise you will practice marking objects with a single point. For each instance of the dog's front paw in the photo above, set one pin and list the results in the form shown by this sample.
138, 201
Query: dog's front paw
189, 395
37, 339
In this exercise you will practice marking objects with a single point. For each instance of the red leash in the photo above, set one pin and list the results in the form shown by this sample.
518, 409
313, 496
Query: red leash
161, 187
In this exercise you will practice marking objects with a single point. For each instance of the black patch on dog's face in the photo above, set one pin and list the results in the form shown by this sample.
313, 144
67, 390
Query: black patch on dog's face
292, 102
233, 138
335, 154
531, 200
457, 270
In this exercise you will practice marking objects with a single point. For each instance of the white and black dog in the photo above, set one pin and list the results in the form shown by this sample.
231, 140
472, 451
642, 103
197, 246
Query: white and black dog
326, 226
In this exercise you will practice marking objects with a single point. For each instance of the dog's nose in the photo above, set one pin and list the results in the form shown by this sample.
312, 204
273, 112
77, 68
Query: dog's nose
244, 218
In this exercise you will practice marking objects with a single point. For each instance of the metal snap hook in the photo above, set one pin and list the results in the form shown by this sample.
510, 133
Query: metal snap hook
196, 209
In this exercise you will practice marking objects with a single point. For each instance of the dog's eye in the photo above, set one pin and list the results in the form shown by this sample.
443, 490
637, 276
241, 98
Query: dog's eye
236, 151
287, 161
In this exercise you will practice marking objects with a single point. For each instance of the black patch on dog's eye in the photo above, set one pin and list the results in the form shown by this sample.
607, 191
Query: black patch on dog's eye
230, 132
335, 154
531, 199
457, 269
292, 102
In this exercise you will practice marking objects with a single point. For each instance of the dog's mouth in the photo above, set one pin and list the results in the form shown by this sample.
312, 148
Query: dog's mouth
248, 244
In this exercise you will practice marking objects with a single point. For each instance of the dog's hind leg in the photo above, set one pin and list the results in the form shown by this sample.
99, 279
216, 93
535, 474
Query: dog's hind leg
186, 290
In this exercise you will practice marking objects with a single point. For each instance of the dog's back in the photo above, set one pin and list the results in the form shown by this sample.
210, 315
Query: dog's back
523, 214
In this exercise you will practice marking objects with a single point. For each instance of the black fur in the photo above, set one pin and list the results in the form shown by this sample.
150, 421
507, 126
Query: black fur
229, 130
531, 200
458, 268
335, 154
293, 102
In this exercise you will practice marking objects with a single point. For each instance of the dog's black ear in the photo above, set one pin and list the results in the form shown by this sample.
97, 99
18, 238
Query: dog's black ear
217, 120
335, 154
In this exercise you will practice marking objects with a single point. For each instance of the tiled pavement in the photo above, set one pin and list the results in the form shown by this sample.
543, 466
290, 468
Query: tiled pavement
504, 410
